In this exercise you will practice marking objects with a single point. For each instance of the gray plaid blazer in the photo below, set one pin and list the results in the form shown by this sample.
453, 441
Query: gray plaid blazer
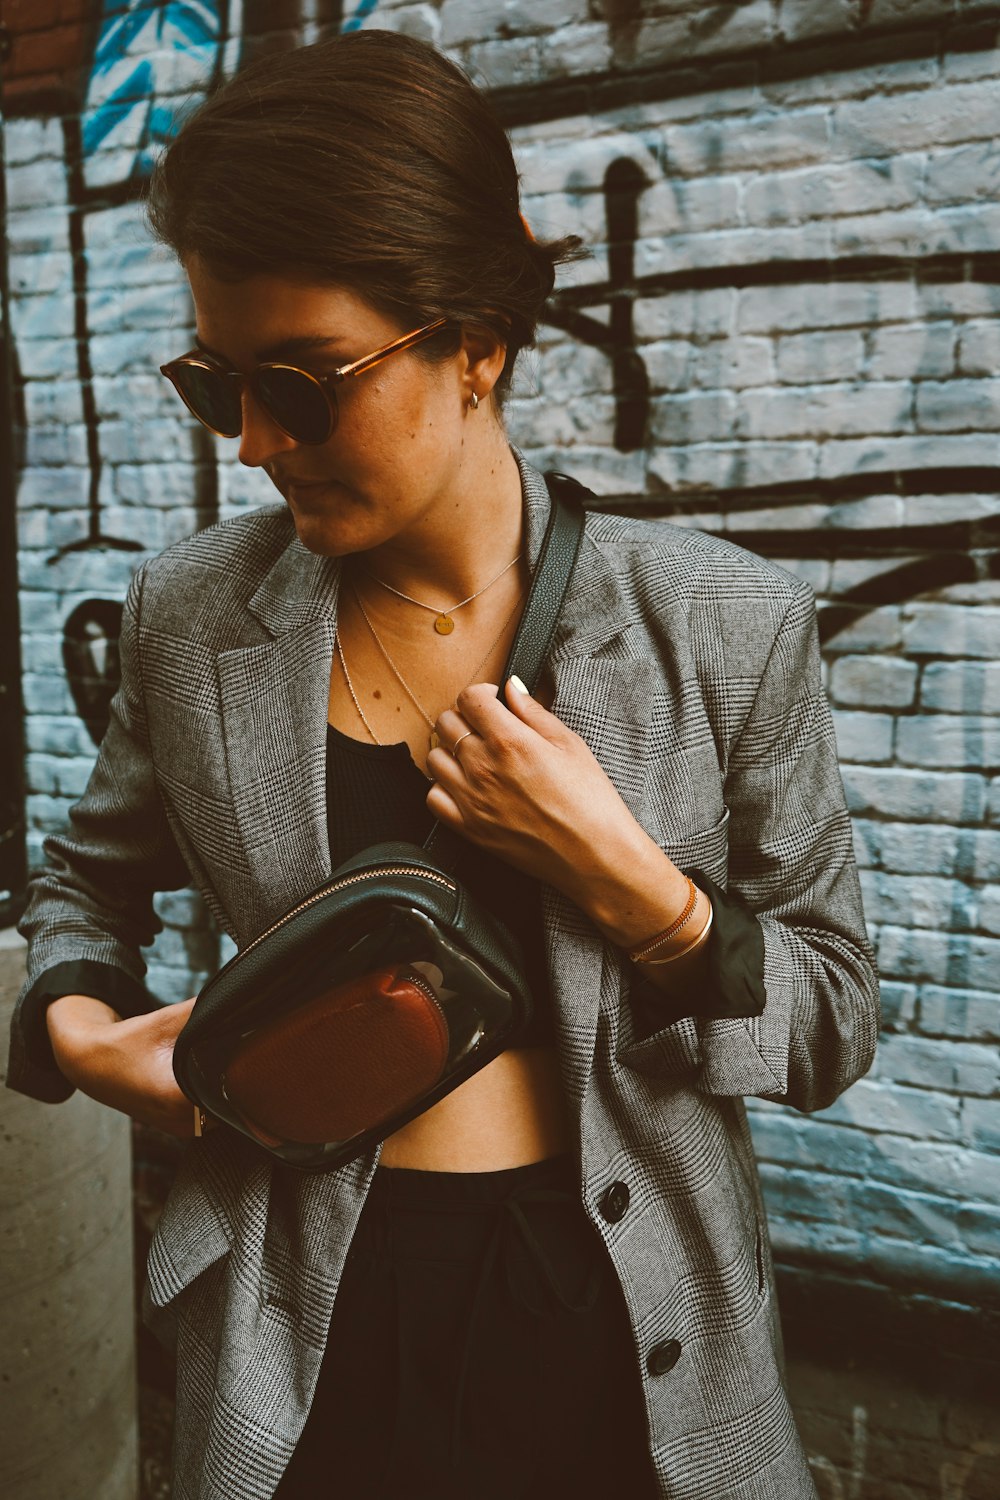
691, 668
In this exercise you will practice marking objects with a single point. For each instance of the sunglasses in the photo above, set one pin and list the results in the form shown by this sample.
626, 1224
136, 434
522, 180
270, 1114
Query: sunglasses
304, 406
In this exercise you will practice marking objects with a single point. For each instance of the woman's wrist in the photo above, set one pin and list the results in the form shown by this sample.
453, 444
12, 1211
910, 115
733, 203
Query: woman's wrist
636, 892
685, 936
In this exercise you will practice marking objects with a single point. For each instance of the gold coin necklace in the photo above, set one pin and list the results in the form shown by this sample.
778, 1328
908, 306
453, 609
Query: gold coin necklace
434, 741
443, 623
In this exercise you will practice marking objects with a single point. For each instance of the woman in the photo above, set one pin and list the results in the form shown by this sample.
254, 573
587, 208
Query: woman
557, 1280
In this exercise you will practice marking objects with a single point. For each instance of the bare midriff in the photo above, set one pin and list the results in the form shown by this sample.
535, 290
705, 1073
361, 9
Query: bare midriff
510, 1113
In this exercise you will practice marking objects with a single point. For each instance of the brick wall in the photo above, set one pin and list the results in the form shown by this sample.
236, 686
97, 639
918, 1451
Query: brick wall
787, 332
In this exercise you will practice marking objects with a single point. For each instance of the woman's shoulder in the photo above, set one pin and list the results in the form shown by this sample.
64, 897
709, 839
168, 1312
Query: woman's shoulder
247, 542
658, 553
222, 565
691, 592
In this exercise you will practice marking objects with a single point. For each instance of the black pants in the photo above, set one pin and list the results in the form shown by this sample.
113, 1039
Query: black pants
479, 1350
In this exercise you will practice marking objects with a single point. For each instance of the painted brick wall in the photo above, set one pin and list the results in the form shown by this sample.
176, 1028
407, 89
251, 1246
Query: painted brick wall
787, 332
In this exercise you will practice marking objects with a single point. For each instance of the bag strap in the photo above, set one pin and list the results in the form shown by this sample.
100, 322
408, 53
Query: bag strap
549, 583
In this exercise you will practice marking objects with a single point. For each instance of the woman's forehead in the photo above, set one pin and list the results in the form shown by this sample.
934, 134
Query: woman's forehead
270, 316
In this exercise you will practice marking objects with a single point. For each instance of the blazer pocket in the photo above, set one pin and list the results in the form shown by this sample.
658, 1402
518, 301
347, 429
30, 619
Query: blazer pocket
707, 850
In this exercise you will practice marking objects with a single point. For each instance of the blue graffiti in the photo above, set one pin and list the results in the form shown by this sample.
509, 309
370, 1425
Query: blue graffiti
136, 59
360, 16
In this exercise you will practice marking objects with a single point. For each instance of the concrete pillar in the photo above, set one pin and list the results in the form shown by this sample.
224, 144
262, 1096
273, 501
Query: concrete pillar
67, 1330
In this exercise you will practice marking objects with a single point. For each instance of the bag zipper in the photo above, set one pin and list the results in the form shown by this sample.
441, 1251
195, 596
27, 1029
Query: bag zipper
339, 885
420, 983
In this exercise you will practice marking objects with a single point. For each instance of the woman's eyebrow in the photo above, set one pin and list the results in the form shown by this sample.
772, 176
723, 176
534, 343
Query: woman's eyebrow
279, 351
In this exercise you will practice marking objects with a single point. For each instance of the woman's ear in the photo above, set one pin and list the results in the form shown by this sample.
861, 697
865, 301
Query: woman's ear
485, 355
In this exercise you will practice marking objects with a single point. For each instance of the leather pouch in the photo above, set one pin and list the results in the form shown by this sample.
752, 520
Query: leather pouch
352, 1054
371, 999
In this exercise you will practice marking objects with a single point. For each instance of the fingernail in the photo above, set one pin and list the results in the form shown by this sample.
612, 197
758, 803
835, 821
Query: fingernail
519, 685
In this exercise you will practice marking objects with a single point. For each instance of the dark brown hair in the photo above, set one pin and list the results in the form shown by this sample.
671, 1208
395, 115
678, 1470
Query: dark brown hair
370, 162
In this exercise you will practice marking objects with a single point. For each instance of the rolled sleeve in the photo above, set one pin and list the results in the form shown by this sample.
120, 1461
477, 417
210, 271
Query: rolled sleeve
791, 861
90, 911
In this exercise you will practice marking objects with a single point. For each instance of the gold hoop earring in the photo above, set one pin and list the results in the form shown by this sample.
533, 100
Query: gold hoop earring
474, 401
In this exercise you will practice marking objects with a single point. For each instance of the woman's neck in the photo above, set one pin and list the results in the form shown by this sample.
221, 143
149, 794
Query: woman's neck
463, 542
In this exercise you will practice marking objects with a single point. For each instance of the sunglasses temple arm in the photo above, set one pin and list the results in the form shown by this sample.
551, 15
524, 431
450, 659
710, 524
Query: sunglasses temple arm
398, 345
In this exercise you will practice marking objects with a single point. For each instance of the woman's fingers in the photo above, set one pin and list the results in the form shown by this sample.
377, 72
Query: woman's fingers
450, 728
497, 724
514, 779
481, 710
528, 709
485, 712
442, 805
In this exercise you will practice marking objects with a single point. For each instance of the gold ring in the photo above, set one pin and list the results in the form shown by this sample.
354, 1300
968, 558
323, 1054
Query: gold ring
465, 736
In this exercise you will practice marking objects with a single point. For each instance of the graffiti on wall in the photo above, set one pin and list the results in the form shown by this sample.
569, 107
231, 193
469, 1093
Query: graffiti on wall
112, 124
139, 54
116, 76
915, 561
903, 563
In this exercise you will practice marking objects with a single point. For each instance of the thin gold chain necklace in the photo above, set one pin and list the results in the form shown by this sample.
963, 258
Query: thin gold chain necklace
443, 624
433, 741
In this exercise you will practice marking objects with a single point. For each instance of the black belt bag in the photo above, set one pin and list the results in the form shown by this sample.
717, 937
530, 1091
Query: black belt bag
386, 988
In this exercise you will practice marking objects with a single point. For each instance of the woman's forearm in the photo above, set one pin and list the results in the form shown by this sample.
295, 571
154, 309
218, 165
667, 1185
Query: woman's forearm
631, 890
69, 1012
124, 1063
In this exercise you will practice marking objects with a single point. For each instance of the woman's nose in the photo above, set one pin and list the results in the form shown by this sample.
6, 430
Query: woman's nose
261, 437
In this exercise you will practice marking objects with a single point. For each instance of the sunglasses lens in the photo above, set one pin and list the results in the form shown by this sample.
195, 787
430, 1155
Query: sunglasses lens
213, 398
296, 402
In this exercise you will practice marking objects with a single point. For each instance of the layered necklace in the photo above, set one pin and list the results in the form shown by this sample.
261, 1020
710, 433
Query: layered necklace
443, 622
433, 740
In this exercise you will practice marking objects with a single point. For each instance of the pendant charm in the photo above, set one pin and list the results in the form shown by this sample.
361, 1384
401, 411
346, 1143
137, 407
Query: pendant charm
444, 624
435, 742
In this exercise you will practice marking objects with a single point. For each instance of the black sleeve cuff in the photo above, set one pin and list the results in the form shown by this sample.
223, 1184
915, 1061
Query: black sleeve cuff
735, 956
31, 1067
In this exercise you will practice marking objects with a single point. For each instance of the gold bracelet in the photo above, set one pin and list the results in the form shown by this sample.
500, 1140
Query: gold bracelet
692, 947
636, 954
200, 1121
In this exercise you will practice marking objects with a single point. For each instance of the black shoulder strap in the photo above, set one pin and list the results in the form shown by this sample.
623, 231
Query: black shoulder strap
549, 582
556, 561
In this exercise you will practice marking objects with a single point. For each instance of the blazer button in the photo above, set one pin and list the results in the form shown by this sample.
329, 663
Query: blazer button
663, 1357
614, 1202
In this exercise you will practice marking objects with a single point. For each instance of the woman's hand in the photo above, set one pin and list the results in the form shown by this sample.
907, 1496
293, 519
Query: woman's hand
525, 787
127, 1064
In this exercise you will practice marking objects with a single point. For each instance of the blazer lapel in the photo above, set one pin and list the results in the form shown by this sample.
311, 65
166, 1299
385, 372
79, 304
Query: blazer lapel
274, 708
606, 697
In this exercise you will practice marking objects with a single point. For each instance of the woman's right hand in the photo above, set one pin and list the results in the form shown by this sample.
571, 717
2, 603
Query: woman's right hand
127, 1064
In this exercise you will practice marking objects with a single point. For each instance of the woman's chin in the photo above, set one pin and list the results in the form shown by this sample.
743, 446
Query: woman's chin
319, 536
326, 532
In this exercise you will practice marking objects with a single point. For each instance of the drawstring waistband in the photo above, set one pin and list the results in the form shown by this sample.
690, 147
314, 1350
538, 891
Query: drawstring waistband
511, 1220
506, 1195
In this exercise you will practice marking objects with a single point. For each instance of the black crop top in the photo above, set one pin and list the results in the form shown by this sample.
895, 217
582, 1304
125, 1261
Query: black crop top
375, 792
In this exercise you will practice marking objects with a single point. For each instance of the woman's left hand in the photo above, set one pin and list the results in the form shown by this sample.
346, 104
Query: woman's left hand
525, 787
